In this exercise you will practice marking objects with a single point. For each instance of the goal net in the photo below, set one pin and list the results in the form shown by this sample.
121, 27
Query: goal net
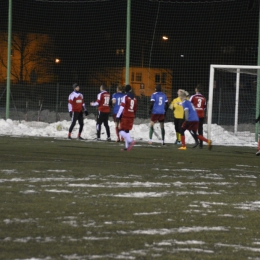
56, 43
233, 104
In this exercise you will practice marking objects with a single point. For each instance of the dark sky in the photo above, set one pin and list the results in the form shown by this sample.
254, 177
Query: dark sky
88, 34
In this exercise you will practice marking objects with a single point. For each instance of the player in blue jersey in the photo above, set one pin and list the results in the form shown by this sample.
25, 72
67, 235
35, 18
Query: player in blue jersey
158, 108
116, 101
191, 122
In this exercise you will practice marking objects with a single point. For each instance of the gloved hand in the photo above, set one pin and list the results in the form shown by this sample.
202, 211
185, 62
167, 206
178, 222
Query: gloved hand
150, 112
186, 124
117, 119
70, 113
86, 113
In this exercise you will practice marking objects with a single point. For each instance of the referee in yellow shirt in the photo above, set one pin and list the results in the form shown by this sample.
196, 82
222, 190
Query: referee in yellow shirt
178, 114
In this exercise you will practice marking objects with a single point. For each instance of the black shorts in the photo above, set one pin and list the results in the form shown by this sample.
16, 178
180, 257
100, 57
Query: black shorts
77, 116
102, 118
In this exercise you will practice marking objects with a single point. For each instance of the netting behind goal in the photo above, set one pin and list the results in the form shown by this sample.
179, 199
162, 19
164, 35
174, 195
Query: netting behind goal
233, 104
56, 43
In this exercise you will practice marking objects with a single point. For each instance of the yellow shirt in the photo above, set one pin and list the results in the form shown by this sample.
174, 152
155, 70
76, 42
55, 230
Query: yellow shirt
178, 111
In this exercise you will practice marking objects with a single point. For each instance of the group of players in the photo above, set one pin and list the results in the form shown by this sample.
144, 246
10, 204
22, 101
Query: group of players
188, 114
125, 106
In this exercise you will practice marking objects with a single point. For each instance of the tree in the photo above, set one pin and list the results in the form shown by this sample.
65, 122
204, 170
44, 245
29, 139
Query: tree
32, 58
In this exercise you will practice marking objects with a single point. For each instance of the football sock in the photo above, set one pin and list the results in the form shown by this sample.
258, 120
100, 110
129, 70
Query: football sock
178, 136
151, 132
128, 138
107, 130
163, 133
117, 131
124, 135
98, 130
259, 143
195, 137
202, 138
183, 140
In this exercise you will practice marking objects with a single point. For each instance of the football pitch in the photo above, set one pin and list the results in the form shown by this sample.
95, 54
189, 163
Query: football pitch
64, 199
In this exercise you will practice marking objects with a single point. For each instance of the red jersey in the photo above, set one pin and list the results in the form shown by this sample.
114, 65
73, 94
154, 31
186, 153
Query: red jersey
130, 106
103, 99
199, 102
76, 102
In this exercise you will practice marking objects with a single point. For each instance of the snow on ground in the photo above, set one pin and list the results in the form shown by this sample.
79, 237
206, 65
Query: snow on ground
140, 132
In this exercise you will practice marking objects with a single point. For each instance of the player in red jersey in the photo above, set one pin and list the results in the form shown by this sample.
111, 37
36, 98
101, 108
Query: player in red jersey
103, 100
127, 112
199, 102
76, 106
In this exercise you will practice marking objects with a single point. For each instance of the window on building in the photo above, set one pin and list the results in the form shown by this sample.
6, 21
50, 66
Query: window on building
138, 76
164, 78
157, 78
133, 76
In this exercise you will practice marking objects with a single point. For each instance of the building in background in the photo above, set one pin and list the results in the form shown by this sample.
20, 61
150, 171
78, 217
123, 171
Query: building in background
143, 80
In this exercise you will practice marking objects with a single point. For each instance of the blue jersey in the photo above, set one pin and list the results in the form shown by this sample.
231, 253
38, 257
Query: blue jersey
118, 97
187, 105
159, 99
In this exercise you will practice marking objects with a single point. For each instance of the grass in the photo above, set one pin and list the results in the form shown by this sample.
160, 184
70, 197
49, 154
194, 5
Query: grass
85, 200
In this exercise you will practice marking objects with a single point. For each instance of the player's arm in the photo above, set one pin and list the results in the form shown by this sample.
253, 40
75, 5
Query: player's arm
120, 110
171, 105
70, 102
84, 107
176, 104
70, 105
191, 99
83, 104
94, 104
166, 106
135, 107
113, 99
119, 113
151, 106
186, 114
111, 103
205, 103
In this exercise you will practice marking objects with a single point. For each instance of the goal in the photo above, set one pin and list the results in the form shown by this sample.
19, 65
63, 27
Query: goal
233, 104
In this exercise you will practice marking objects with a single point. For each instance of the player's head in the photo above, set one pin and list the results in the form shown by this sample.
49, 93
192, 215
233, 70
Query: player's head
180, 91
103, 87
187, 94
182, 94
75, 87
128, 88
158, 88
198, 88
119, 88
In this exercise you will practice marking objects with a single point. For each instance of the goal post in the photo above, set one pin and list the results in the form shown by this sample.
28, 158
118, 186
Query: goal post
251, 105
